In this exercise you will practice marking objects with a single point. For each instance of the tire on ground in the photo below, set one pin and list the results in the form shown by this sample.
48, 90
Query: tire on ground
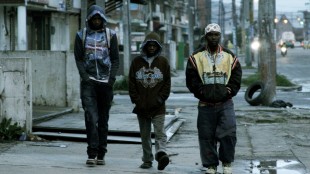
251, 90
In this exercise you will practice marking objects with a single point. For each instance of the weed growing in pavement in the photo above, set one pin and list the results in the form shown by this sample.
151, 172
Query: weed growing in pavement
121, 84
9, 131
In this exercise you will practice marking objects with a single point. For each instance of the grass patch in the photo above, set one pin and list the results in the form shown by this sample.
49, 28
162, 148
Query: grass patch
121, 84
281, 80
248, 67
277, 120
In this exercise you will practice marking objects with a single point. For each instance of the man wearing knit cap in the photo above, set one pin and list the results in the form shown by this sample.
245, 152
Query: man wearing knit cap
213, 75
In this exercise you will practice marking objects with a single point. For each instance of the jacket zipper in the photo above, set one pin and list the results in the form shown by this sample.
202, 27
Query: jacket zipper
96, 56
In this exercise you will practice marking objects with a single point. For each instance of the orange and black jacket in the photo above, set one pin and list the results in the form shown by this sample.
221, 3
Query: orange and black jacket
213, 78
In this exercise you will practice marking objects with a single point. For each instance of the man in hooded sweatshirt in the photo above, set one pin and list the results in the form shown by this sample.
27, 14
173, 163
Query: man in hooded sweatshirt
149, 88
97, 59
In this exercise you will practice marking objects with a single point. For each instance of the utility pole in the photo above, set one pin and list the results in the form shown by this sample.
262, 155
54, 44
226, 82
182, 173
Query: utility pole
267, 52
221, 19
83, 13
151, 5
126, 36
101, 3
306, 25
248, 21
190, 12
208, 12
234, 18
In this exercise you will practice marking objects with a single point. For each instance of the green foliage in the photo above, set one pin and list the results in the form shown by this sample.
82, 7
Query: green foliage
121, 84
281, 80
250, 79
239, 37
248, 67
9, 130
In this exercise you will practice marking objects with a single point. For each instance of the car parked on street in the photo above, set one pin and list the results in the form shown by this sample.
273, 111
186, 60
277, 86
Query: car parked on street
289, 44
297, 44
306, 44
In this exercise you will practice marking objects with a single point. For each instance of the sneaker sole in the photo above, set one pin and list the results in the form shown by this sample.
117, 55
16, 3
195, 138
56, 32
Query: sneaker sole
163, 162
91, 163
100, 162
145, 167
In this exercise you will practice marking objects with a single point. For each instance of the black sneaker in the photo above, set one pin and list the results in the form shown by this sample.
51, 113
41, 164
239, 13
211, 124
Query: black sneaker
91, 162
163, 160
146, 165
100, 161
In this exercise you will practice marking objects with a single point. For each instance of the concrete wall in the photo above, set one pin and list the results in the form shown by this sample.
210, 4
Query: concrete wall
55, 79
16, 90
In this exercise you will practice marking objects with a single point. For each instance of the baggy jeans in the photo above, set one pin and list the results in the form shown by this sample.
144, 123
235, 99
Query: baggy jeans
96, 101
217, 124
145, 124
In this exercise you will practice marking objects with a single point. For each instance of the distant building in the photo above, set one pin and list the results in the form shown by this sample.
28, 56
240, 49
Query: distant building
290, 22
283, 25
38, 24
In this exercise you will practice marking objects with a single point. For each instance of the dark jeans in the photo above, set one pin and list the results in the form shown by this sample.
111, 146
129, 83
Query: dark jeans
96, 101
217, 124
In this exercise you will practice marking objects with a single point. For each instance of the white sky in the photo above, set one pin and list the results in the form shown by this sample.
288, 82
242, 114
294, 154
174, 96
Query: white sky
292, 5
285, 5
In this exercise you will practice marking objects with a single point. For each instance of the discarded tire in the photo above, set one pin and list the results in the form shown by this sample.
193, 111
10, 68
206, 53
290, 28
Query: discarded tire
251, 90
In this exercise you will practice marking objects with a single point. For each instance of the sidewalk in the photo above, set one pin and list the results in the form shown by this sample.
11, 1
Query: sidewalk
269, 140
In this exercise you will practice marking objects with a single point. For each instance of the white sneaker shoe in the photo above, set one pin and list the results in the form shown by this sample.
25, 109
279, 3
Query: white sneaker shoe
227, 168
211, 170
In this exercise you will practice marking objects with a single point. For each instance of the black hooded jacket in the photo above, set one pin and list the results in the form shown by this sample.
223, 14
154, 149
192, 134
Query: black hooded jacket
149, 80
95, 58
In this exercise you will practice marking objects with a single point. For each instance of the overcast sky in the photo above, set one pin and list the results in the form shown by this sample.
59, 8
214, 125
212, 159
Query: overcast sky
285, 5
292, 5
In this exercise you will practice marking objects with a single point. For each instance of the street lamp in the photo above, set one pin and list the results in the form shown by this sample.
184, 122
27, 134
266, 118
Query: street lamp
276, 20
301, 21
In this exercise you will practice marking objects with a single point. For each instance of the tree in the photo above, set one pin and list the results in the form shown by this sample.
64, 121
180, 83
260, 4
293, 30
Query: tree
267, 52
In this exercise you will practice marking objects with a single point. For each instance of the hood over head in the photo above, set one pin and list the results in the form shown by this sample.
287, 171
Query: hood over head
151, 37
95, 10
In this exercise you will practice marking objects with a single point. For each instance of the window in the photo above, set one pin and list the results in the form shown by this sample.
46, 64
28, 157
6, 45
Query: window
40, 30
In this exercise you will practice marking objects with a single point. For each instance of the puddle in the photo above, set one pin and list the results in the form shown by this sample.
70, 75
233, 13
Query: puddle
49, 145
305, 88
277, 167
